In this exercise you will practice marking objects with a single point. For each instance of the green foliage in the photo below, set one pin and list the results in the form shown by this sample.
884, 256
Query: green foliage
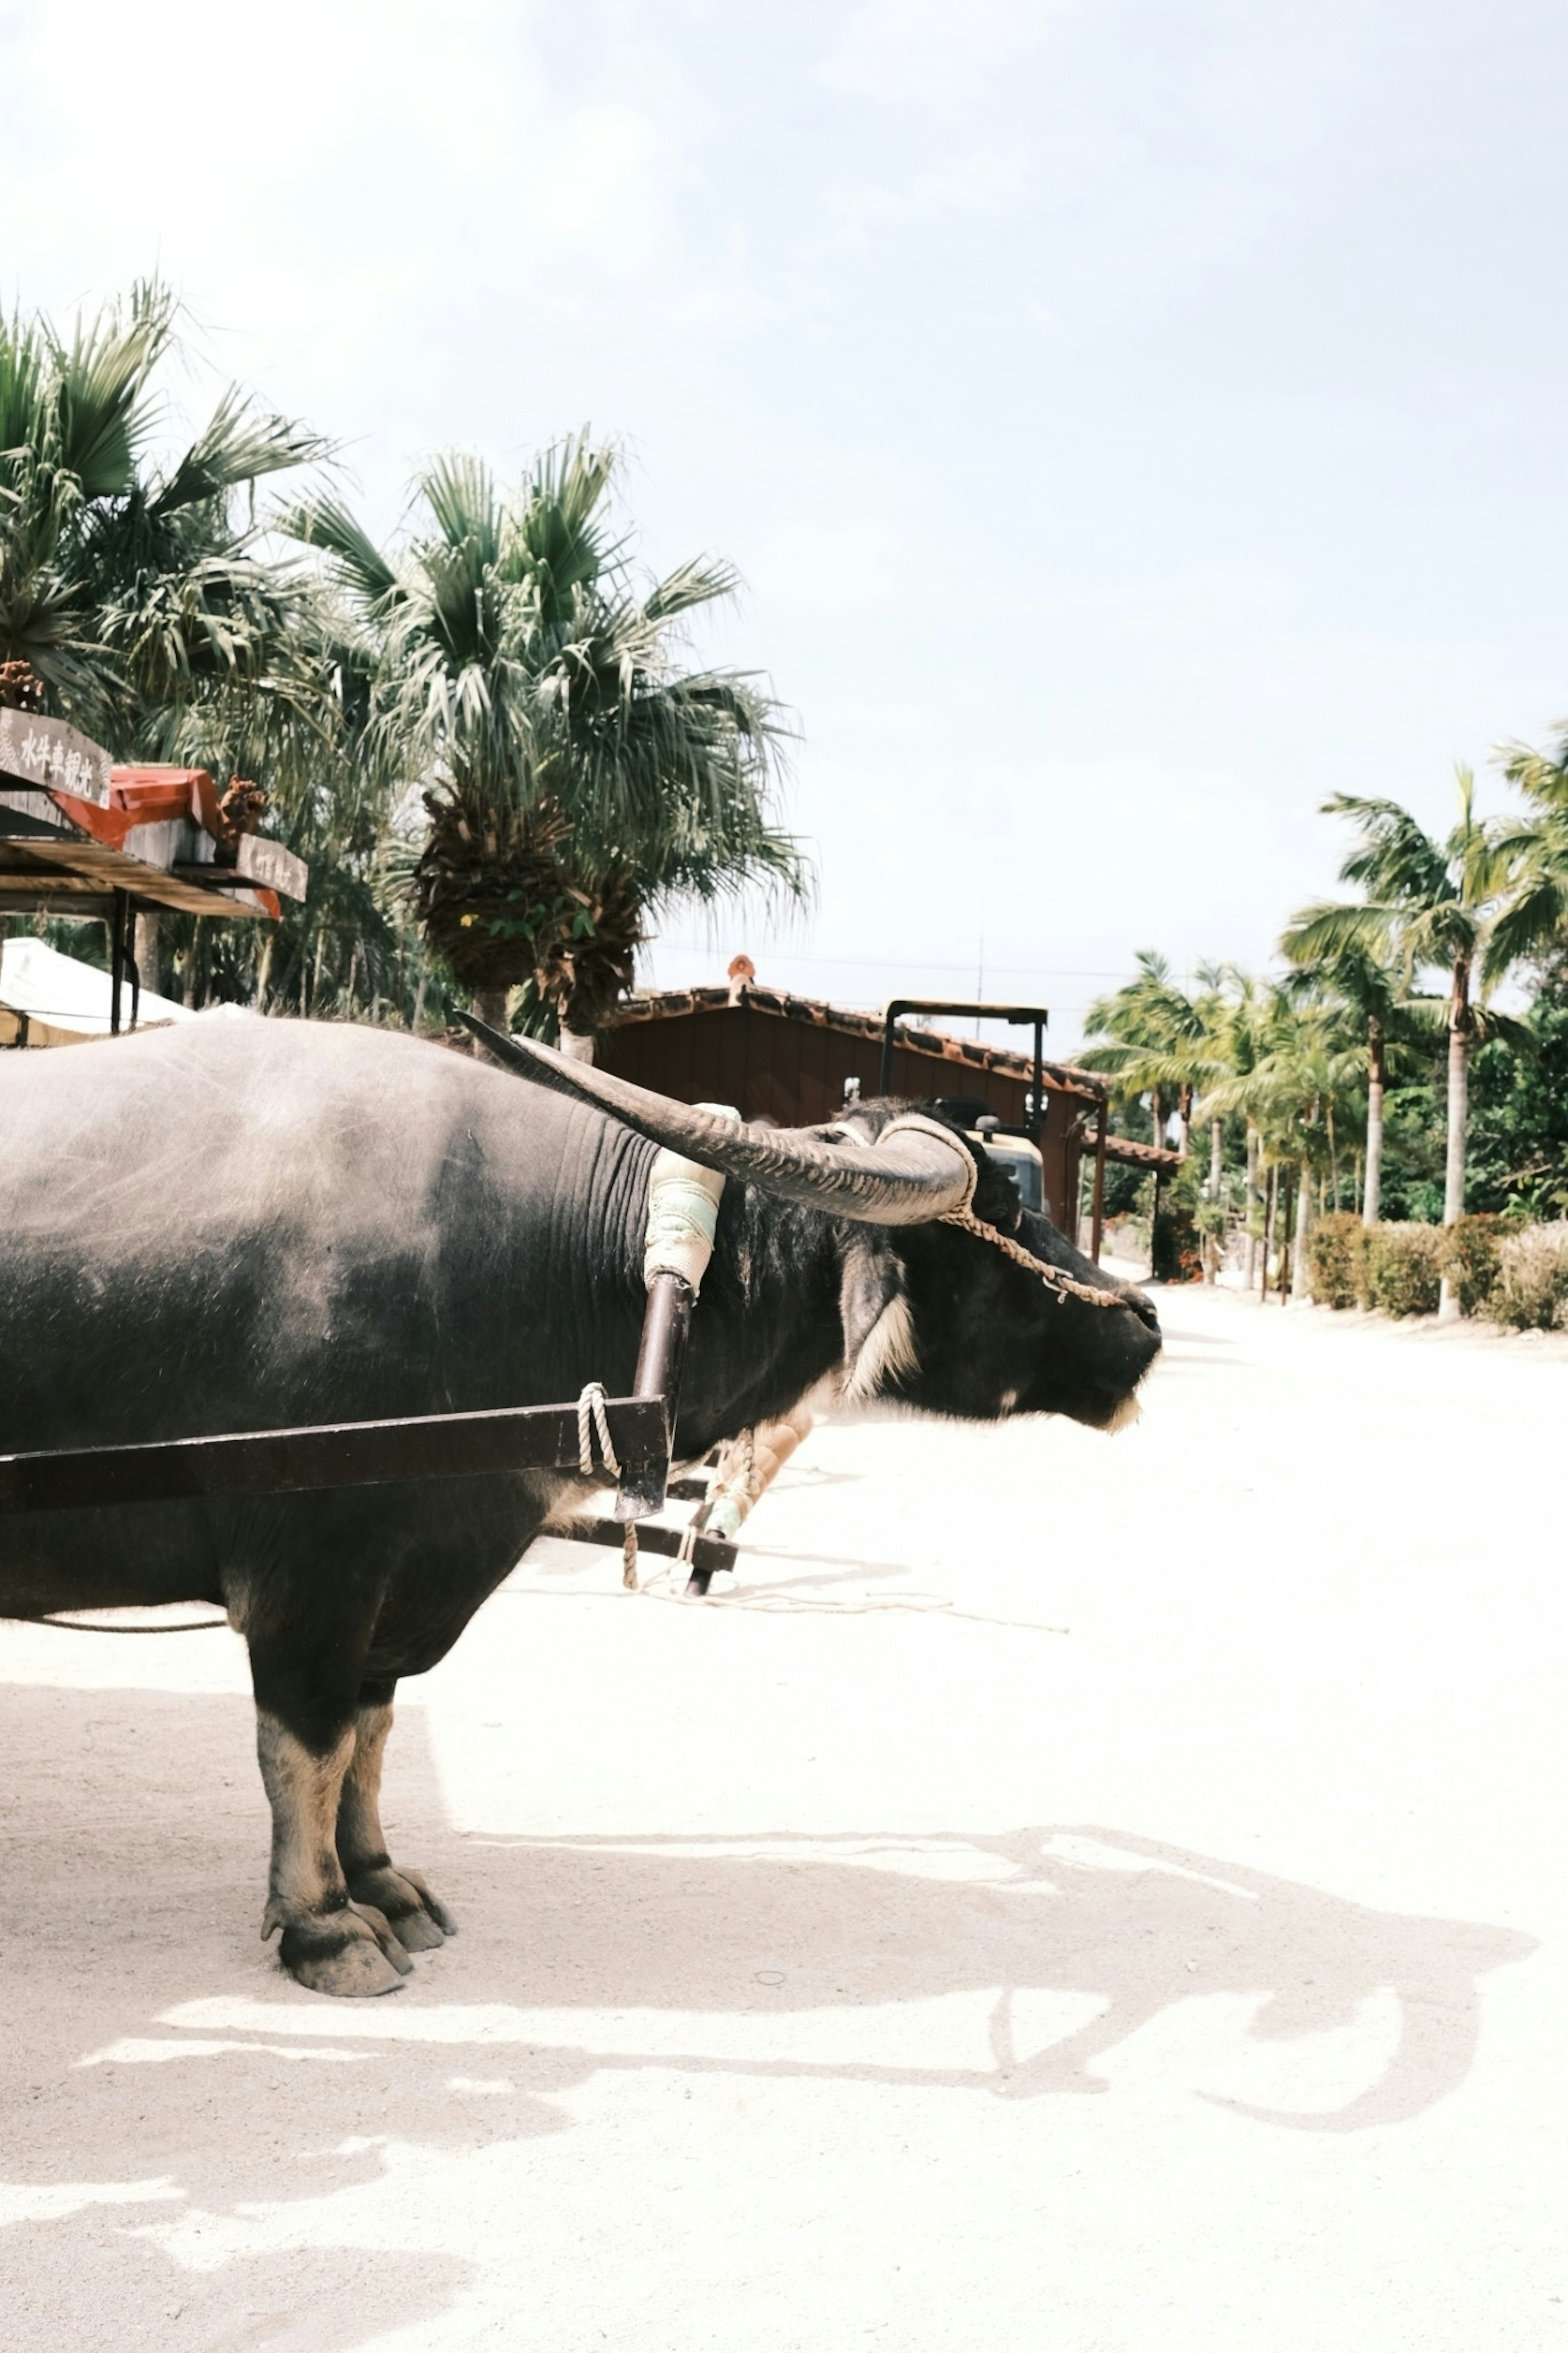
1155, 1041
1177, 1250
1532, 1293
1519, 1110
577, 772
1471, 1263
1404, 1268
1336, 1252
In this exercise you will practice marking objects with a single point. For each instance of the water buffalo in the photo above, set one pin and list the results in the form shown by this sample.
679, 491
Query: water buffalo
254, 1225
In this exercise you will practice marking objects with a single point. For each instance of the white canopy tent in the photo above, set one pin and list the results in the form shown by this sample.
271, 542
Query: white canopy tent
50, 999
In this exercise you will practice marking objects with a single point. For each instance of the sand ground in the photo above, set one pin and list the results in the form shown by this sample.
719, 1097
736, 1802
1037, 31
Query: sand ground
1099, 1897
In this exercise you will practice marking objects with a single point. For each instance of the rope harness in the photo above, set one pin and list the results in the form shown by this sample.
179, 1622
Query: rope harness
683, 1208
593, 1421
1065, 1285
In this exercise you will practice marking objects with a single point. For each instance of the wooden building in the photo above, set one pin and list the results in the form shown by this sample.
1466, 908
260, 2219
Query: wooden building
797, 1060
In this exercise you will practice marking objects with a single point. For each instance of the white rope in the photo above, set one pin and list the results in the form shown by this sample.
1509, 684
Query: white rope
591, 1418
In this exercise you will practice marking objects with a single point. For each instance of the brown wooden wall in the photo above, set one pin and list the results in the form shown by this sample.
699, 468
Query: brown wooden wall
792, 1070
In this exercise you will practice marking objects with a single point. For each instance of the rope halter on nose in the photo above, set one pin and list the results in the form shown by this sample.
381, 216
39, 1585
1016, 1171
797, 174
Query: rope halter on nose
1055, 1278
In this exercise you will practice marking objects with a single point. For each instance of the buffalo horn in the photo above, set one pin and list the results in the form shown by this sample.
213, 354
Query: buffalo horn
918, 1174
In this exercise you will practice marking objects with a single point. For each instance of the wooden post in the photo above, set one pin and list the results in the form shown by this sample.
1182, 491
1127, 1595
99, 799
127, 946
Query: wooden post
117, 905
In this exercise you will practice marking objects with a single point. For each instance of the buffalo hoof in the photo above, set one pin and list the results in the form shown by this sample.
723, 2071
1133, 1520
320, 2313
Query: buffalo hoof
416, 1917
348, 1953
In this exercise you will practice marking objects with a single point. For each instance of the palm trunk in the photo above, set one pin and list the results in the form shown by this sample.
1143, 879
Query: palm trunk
577, 1045
148, 965
1157, 1112
1372, 1199
1458, 1115
490, 1005
1270, 1211
1251, 1205
264, 970
1216, 1154
1282, 1192
1299, 1281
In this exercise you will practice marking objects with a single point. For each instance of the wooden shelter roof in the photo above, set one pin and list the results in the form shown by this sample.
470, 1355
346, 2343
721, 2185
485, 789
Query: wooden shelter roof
964, 1054
1133, 1155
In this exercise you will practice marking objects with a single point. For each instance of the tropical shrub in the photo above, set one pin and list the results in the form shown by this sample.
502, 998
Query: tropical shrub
1531, 1291
1336, 1247
1403, 1269
1177, 1250
1470, 1248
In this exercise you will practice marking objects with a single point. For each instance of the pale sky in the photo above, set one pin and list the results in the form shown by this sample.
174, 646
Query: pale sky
1134, 419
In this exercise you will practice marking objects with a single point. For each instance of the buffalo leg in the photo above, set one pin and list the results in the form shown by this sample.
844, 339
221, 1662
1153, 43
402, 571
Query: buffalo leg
414, 1916
305, 1738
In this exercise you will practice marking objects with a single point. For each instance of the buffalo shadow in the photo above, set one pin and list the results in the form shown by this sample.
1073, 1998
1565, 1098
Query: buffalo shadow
137, 1837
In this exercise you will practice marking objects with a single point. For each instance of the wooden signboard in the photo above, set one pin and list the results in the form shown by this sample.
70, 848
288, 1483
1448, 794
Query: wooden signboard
269, 863
50, 756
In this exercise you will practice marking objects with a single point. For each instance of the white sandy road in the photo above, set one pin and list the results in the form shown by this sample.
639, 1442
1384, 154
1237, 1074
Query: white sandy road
837, 1969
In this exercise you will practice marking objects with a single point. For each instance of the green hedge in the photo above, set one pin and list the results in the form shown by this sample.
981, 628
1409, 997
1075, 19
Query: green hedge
1336, 1249
1403, 1269
1517, 1276
1471, 1262
1531, 1291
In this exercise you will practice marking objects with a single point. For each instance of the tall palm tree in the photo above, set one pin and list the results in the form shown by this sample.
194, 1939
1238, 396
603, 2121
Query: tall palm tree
1427, 903
1155, 1039
135, 590
574, 776
1369, 986
137, 593
1292, 1095
1534, 849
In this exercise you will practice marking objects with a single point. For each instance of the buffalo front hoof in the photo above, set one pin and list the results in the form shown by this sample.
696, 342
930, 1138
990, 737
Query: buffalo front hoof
418, 1919
348, 1953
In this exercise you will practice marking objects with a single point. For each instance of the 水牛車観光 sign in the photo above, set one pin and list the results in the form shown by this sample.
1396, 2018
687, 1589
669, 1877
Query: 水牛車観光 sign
53, 757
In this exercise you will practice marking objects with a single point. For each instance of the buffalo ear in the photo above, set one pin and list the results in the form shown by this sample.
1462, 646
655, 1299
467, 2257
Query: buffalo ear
879, 1327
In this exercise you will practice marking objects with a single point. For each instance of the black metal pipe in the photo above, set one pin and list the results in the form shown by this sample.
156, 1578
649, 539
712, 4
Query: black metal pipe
666, 1325
1019, 1015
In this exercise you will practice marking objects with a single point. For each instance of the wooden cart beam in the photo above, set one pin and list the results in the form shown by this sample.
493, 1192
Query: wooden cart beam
330, 1454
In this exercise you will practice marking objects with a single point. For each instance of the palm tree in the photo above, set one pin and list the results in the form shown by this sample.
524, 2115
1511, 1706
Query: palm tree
1368, 988
137, 594
574, 777
1155, 1039
1237, 1012
1292, 1096
1534, 916
1426, 902
134, 591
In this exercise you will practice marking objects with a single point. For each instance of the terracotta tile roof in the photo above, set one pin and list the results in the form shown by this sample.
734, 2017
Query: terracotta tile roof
963, 1053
